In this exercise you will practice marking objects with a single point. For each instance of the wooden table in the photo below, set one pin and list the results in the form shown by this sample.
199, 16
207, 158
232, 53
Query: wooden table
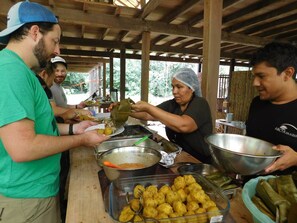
85, 202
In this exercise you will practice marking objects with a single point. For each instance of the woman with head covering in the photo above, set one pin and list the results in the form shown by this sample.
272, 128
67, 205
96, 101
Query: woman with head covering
187, 116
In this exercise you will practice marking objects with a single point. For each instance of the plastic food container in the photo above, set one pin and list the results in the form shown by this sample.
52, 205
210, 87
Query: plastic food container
115, 196
248, 191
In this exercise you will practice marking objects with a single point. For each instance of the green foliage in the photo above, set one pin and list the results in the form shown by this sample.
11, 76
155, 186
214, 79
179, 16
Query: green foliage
159, 77
76, 82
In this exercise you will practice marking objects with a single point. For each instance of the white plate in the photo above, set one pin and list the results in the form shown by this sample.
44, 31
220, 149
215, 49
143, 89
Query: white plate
93, 127
102, 126
118, 131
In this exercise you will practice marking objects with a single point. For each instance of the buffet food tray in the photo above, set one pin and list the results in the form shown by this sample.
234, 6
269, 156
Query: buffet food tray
115, 197
134, 131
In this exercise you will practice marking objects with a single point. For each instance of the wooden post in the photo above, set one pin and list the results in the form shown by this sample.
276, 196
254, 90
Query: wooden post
145, 65
104, 80
123, 74
211, 52
111, 72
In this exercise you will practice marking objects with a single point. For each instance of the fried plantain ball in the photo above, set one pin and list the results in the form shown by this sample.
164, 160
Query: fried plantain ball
161, 216
179, 182
189, 179
182, 194
172, 196
150, 202
192, 187
135, 204
191, 218
208, 204
159, 197
213, 211
179, 207
177, 220
126, 214
138, 190
150, 212
146, 195
198, 195
164, 189
137, 219
152, 189
192, 206
165, 208
201, 217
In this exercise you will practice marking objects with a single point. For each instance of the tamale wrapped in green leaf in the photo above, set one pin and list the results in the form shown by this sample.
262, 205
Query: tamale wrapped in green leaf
286, 188
120, 112
262, 207
275, 202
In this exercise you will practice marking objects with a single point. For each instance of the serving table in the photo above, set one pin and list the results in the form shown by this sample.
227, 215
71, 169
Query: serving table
85, 200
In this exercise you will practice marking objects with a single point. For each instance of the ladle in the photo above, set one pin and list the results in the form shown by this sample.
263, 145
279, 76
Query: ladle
140, 140
112, 165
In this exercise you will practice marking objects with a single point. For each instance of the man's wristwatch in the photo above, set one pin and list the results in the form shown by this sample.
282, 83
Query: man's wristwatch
71, 129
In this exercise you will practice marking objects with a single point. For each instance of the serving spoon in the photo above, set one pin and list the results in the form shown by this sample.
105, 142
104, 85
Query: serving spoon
112, 165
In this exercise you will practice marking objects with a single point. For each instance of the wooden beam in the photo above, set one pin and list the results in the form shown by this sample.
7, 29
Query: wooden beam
149, 7
184, 8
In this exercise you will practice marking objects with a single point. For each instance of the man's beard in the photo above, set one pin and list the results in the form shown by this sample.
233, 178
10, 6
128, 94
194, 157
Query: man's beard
41, 53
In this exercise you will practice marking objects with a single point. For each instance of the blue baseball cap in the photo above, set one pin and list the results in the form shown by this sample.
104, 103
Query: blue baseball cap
25, 12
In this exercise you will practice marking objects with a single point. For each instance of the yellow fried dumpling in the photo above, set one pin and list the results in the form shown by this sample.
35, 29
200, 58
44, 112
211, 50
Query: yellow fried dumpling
152, 189
189, 179
179, 182
213, 211
135, 204
164, 189
147, 194
165, 208
150, 212
198, 195
201, 216
150, 202
172, 196
191, 218
126, 214
192, 206
178, 220
208, 204
160, 198
162, 216
179, 207
137, 219
138, 190
192, 187
182, 194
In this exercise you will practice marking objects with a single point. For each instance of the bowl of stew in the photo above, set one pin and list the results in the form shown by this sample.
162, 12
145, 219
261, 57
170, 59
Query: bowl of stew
132, 161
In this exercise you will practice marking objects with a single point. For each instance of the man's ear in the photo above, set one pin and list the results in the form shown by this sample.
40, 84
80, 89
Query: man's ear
42, 74
290, 73
35, 32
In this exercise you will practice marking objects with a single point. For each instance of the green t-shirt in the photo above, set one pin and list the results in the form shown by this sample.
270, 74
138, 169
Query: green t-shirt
22, 97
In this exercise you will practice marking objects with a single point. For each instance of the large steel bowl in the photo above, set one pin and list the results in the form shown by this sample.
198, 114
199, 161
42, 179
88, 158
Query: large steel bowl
240, 154
130, 154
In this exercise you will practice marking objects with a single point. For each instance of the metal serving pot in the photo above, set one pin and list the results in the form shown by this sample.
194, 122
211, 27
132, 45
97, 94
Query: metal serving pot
131, 154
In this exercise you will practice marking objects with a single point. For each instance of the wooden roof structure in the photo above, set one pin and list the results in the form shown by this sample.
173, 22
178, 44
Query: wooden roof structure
92, 31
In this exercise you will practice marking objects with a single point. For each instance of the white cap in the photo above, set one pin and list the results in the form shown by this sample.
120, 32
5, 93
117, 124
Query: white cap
58, 59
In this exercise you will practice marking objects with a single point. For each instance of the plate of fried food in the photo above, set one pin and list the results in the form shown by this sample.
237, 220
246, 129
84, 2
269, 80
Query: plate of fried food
106, 129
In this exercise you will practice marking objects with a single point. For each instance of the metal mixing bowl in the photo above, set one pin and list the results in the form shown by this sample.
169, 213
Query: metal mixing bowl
130, 154
240, 154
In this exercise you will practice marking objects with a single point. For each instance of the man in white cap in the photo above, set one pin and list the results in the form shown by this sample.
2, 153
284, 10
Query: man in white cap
31, 145
57, 90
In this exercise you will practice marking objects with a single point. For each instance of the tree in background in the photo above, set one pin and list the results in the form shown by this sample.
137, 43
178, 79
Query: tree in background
159, 78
